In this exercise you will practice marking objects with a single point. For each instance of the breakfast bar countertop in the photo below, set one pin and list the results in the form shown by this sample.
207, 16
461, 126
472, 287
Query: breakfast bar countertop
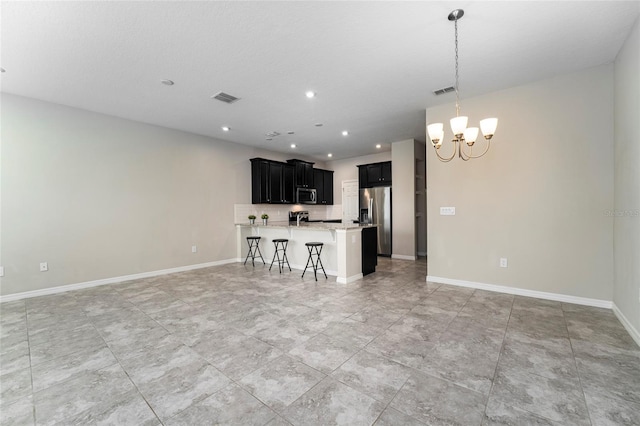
307, 225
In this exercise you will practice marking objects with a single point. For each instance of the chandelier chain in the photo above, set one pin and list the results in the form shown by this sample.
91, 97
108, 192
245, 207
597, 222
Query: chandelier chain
457, 96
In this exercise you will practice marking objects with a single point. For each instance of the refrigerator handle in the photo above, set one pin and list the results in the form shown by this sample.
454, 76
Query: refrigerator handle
371, 210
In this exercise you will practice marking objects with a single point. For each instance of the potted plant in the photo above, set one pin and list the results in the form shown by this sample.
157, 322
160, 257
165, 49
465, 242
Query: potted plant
252, 219
264, 218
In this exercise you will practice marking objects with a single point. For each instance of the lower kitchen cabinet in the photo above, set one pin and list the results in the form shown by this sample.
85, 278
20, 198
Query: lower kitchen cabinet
369, 250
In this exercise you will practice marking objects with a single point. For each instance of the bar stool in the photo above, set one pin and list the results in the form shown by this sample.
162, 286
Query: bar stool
314, 250
253, 249
281, 246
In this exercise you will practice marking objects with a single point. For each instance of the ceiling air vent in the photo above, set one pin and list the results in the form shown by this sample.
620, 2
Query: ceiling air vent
443, 91
225, 97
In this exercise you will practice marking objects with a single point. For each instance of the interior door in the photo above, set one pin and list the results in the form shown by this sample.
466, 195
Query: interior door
350, 200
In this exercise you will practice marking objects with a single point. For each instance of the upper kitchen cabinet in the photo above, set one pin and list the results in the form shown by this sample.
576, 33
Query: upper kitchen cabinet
304, 173
376, 174
272, 182
323, 181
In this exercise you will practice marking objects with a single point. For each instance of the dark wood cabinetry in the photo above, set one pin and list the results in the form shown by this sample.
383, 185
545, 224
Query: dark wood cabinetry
369, 250
323, 182
304, 173
376, 174
272, 182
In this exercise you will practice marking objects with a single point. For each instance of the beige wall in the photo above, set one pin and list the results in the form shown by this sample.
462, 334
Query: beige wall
404, 199
99, 197
627, 180
538, 197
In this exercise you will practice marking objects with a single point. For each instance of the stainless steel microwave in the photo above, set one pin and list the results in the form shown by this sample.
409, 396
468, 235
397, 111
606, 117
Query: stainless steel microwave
306, 196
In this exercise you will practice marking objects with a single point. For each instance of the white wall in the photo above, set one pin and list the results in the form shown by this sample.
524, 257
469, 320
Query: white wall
627, 180
538, 197
99, 197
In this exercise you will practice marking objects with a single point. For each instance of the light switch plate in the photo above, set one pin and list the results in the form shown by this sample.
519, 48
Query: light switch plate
447, 211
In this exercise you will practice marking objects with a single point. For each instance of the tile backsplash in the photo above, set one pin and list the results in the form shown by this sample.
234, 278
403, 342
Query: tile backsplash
280, 213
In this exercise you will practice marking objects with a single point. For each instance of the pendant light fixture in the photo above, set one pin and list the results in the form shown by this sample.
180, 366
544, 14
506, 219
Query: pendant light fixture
462, 135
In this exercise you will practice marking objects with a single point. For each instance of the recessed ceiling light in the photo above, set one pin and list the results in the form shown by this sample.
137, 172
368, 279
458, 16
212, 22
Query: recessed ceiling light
226, 128
345, 133
318, 124
378, 146
293, 145
167, 82
310, 94
329, 155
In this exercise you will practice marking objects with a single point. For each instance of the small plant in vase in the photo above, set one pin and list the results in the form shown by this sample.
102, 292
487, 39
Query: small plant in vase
252, 219
264, 218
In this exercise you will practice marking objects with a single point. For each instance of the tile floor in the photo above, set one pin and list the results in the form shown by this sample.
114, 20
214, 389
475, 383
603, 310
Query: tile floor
238, 345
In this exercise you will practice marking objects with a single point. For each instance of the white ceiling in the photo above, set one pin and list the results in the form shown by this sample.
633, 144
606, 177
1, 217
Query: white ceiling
373, 65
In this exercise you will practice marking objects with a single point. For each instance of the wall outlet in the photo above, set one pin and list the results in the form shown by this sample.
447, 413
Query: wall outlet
447, 211
194, 249
1, 271
44, 266
503, 262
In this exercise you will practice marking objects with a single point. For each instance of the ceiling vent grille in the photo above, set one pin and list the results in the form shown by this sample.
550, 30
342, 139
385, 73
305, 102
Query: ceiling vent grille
443, 91
225, 97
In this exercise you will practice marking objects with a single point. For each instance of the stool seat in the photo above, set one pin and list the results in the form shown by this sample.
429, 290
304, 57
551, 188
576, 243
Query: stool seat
315, 248
280, 249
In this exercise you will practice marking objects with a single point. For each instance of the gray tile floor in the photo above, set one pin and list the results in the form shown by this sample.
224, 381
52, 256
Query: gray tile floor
238, 345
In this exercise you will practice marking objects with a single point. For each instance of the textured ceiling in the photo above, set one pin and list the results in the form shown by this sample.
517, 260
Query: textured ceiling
372, 64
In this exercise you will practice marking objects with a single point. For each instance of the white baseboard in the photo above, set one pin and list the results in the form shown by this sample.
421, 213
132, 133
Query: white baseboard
524, 292
349, 279
113, 280
402, 257
635, 334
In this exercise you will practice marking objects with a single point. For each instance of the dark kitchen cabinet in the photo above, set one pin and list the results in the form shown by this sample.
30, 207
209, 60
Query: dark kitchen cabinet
304, 173
272, 182
376, 174
369, 250
323, 181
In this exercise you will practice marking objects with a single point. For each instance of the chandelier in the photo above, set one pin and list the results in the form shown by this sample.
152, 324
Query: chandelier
462, 135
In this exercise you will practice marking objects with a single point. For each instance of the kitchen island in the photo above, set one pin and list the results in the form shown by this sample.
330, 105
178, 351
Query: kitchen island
341, 254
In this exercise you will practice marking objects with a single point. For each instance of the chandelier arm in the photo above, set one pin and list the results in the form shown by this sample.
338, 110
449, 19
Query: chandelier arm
444, 159
483, 152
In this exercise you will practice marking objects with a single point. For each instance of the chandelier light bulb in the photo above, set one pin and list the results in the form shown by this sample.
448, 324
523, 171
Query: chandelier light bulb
488, 126
458, 124
470, 135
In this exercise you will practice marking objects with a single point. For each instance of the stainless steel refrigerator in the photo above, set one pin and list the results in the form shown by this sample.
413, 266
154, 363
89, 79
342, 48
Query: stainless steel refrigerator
375, 208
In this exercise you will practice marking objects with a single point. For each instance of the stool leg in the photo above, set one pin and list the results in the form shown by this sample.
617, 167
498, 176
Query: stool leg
285, 258
249, 242
275, 253
260, 254
307, 265
321, 265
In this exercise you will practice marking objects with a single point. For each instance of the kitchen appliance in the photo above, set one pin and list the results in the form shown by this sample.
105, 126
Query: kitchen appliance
375, 208
306, 196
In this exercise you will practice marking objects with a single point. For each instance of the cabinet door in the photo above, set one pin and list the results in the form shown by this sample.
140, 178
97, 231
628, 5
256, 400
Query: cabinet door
374, 174
363, 182
259, 181
328, 187
288, 184
318, 180
275, 175
386, 172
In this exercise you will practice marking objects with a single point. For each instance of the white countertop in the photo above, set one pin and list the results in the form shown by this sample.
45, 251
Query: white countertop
305, 225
